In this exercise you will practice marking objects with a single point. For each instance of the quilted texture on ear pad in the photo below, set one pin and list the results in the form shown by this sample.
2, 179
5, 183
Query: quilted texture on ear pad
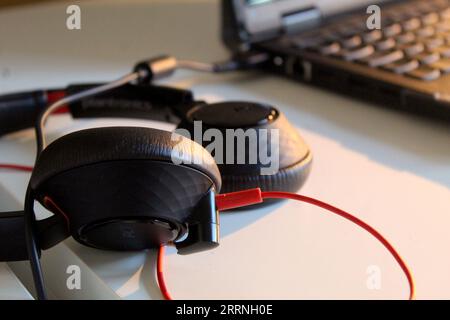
98, 145
295, 162
290, 169
289, 178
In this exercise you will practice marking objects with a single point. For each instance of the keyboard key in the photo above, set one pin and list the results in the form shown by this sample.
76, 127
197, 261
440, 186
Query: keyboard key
412, 49
372, 36
430, 19
385, 44
391, 15
406, 12
392, 30
439, 4
443, 51
406, 38
426, 7
330, 48
352, 42
382, 58
427, 57
443, 26
357, 54
445, 14
402, 66
425, 73
444, 35
443, 65
425, 32
411, 24
432, 43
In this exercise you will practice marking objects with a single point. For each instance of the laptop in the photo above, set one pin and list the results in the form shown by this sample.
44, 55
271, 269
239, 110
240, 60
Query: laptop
395, 53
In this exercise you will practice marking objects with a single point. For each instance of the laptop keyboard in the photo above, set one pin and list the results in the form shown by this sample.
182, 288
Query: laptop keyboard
414, 40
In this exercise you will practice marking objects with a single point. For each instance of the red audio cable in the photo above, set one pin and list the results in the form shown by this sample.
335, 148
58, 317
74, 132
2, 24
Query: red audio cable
160, 274
248, 197
16, 167
54, 96
253, 196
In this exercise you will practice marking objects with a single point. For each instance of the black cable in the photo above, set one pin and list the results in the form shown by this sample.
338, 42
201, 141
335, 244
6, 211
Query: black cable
32, 246
39, 140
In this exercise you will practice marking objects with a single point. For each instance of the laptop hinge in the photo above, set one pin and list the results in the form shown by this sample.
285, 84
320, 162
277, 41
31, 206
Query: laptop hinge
301, 19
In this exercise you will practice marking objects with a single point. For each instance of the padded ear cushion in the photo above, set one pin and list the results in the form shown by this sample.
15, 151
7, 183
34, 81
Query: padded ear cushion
99, 145
289, 167
295, 162
289, 178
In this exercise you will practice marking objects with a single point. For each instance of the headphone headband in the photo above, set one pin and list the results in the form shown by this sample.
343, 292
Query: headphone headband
141, 101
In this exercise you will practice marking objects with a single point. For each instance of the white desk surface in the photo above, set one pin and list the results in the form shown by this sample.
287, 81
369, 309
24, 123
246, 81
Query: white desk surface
11, 288
391, 170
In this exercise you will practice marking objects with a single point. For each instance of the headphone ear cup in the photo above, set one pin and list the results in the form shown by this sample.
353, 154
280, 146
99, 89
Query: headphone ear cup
124, 188
278, 159
99, 145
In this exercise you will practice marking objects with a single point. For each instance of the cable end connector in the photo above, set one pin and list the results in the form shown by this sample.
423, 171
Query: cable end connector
238, 199
155, 68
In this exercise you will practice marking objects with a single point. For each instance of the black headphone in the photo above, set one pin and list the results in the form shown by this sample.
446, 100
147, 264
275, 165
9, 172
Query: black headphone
134, 188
